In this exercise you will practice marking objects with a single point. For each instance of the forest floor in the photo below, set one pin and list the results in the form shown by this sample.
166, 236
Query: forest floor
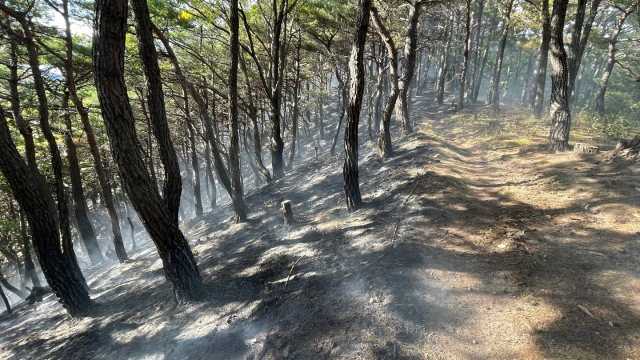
475, 243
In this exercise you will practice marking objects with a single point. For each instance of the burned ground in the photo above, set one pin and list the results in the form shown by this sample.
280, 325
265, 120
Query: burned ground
474, 243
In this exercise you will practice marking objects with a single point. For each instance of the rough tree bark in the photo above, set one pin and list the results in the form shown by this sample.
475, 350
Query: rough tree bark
110, 26
172, 186
560, 115
56, 159
356, 90
31, 191
384, 142
537, 90
107, 197
444, 64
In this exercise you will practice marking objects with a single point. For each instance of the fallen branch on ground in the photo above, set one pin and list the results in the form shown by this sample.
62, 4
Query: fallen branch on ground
290, 271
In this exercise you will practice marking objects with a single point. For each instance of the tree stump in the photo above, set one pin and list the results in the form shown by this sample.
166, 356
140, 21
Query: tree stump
581, 148
287, 213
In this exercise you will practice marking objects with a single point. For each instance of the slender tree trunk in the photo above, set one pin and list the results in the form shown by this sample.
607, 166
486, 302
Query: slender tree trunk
560, 115
108, 67
495, 101
611, 62
239, 208
296, 103
344, 97
410, 49
21, 294
467, 50
195, 166
253, 116
537, 91
525, 89
356, 79
384, 143
444, 64
23, 126
31, 191
579, 39
80, 210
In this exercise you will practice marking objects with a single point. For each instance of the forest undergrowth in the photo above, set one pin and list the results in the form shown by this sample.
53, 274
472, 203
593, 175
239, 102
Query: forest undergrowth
474, 243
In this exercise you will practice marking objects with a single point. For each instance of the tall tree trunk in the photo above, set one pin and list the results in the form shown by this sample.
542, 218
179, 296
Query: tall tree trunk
537, 92
560, 114
356, 79
444, 64
344, 97
107, 197
296, 102
384, 143
506, 15
467, 50
195, 166
56, 159
172, 187
80, 209
110, 26
253, 116
239, 208
611, 61
525, 89
579, 38
31, 191
410, 49
223, 174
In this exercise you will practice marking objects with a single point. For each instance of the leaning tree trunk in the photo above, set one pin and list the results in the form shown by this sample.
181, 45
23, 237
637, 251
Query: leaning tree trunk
239, 208
31, 191
384, 143
410, 50
56, 159
537, 91
80, 210
21, 294
23, 126
356, 70
172, 186
110, 27
611, 62
6, 301
560, 115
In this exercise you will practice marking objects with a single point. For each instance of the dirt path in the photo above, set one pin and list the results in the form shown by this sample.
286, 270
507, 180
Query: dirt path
474, 244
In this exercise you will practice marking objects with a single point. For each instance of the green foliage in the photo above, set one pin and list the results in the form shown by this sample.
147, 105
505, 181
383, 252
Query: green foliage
613, 126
